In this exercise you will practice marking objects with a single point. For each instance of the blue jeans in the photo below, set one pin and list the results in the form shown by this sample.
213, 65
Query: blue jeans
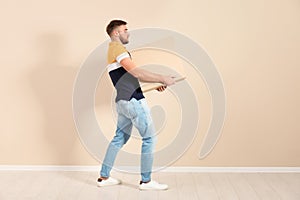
132, 113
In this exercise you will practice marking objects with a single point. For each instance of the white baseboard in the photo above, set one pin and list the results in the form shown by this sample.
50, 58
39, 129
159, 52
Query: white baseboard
49, 168
168, 169
234, 169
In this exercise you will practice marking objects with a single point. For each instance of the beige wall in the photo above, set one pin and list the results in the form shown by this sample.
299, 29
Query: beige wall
255, 45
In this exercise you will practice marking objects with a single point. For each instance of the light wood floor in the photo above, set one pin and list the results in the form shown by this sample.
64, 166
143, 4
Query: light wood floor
65, 185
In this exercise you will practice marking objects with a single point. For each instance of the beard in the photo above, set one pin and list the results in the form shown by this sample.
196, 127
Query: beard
124, 40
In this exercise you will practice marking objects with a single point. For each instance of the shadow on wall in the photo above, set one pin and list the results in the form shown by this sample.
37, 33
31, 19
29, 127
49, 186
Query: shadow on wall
52, 81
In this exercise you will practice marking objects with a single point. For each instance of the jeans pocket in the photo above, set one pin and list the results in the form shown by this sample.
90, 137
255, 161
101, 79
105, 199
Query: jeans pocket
134, 108
123, 108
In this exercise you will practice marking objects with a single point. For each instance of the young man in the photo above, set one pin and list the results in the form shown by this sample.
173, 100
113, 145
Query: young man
131, 106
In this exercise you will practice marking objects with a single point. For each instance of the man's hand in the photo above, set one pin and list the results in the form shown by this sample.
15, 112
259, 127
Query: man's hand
168, 80
161, 88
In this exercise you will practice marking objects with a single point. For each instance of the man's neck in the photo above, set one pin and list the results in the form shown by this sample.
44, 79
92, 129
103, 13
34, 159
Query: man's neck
116, 39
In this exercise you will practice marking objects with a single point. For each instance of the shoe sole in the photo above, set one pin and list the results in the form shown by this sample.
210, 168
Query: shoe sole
112, 184
153, 189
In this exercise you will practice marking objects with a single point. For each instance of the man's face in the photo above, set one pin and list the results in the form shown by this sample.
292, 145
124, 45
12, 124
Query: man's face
123, 34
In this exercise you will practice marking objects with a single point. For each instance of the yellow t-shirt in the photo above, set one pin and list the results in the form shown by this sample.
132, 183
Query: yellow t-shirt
115, 49
127, 86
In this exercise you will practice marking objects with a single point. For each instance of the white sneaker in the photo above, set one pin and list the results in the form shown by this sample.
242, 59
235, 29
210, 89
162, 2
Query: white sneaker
153, 185
108, 182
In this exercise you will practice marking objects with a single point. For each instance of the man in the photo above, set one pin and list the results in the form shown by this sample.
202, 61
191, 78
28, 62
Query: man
131, 106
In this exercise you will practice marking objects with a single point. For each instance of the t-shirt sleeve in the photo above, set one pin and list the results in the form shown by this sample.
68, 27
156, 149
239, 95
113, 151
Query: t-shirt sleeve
122, 56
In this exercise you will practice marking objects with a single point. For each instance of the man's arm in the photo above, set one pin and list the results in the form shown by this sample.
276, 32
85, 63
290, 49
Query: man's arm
144, 75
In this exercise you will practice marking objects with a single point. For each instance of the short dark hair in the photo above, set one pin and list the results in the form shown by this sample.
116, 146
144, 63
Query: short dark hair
113, 24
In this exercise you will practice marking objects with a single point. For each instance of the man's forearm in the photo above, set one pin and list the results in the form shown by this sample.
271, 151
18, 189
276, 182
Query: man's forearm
147, 76
144, 75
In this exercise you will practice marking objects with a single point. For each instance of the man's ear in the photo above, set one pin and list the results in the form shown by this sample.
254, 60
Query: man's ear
116, 33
